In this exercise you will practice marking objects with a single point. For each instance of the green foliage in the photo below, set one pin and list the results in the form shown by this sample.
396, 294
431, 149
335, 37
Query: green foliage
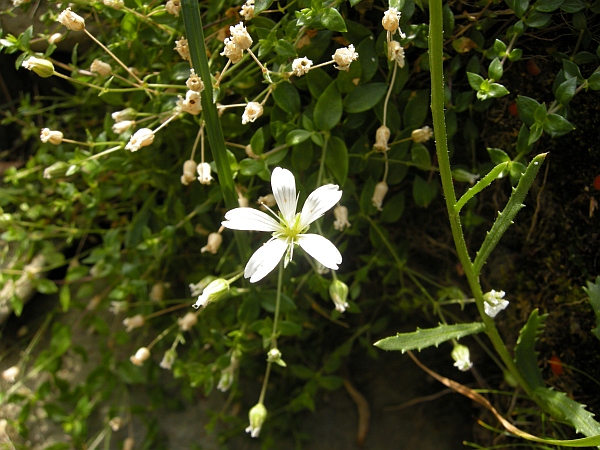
593, 292
423, 338
525, 355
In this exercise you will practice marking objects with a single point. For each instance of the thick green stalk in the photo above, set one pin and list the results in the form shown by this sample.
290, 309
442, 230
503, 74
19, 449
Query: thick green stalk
436, 62
195, 37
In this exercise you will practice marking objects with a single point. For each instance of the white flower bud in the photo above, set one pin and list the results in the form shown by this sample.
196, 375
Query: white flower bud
421, 134
10, 375
341, 218
128, 443
40, 66
189, 172
142, 138
494, 302
123, 126
115, 4
52, 136
242, 201
101, 68
214, 242
55, 38
198, 288
382, 136
381, 189
140, 356
247, 11
240, 36
212, 293
71, 20
268, 200
462, 359
339, 293
188, 321
232, 51
391, 20
257, 417
115, 423
157, 293
182, 48
134, 322
173, 7
194, 82
117, 307
168, 359
58, 169
396, 53
344, 56
252, 112
301, 66
204, 170
125, 114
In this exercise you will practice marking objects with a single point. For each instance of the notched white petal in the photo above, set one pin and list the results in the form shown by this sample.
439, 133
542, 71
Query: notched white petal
284, 190
249, 219
319, 202
264, 260
322, 249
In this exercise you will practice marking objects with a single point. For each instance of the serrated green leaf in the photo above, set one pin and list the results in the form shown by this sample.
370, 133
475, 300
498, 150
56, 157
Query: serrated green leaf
525, 355
593, 292
423, 338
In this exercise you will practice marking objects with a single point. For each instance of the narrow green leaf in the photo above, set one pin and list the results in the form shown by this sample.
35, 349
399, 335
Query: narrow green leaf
525, 355
65, 297
423, 338
328, 110
496, 172
593, 292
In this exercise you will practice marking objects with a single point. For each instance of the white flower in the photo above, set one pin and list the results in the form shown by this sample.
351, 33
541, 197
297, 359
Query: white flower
252, 112
204, 176
382, 136
140, 356
462, 358
101, 68
19, 2
257, 417
212, 293
494, 302
124, 114
213, 244
396, 53
40, 66
182, 48
115, 4
344, 56
173, 7
341, 218
240, 36
189, 172
301, 66
168, 359
118, 307
71, 20
10, 375
55, 38
52, 136
191, 104
289, 229
122, 126
338, 292
391, 20
188, 321
134, 322
198, 288
421, 134
247, 11
232, 51
157, 292
381, 189
141, 138
194, 82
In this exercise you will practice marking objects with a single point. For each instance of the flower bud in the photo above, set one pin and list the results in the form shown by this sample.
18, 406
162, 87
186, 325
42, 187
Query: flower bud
189, 172
173, 7
301, 66
134, 322
391, 20
461, 356
344, 56
257, 417
10, 375
58, 169
494, 302
168, 359
101, 68
204, 170
198, 288
267, 200
214, 242
52, 136
421, 134
341, 218
125, 114
232, 51
396, 53
128, 443
252, 112
140, 356
71, 20
338, 291
157, 292
182, 48
212, 293
247, 11
123, 126
381, 189
194, 82
142, 138
382, 136
115, 423
55, 38
240, 36
40, 66
115, 4
188, 321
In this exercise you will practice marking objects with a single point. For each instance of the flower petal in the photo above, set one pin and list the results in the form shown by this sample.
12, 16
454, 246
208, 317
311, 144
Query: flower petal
249, 219
318, 202
284, 191
265, 259
320, 248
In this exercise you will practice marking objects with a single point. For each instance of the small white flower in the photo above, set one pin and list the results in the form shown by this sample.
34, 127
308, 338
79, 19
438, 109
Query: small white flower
240, 36
247, 11
289, 228
115, 4
462, 358
194, 82
71, 20
124, 114
252, 112
101, 68
396, 53
198, 288
391, 20
189, 172
232, 51
157, 292
204, 176
52, 136
257, 417
494, 302
117, 307
115, 423
142, 138
228, 374
173, 7
381, 189
191, 104
301, 66
188, 321
213, 244
40, 66
134, 322
338, 292
168, 359
344, 56
10, 375
421, 134
182, 48
382, 136
140, 356
267, 200
213, 292
55, 38
341, 218
123, 126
